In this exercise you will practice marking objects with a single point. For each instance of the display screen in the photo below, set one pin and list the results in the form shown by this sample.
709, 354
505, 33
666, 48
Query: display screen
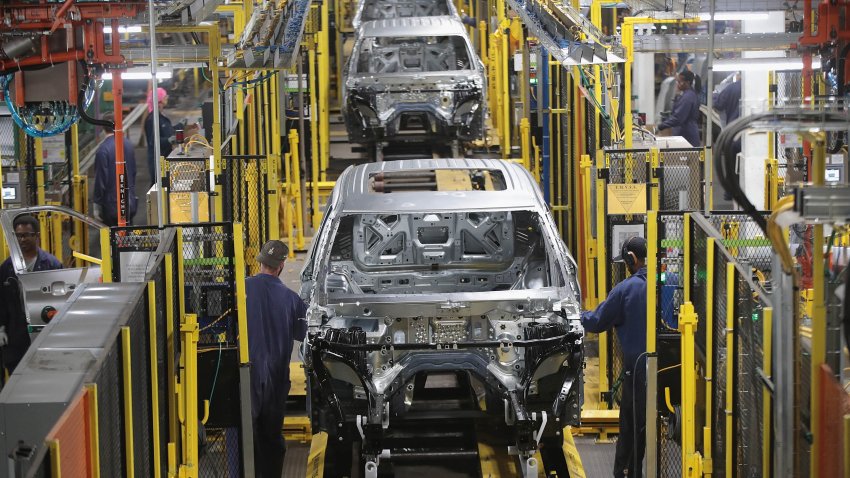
833, 175
10, 194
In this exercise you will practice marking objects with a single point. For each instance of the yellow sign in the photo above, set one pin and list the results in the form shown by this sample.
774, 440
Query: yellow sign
626, 199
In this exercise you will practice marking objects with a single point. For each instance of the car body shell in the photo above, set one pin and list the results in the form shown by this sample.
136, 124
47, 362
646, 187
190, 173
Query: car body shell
440, 104
371, 10
371, 335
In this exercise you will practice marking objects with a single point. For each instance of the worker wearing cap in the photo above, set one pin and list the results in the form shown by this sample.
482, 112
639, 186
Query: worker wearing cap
624, 310
276, 318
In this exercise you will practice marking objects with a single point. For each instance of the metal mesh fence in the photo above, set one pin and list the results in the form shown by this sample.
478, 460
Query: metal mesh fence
624, 167
718, 415
111, 415
247, 188
745, 240
748, 387
671, 262
188, 199
681, 179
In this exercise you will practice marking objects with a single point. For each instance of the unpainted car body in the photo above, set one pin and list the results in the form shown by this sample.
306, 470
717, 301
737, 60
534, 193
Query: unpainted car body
414, 79
369, 10
430, 266
43, 291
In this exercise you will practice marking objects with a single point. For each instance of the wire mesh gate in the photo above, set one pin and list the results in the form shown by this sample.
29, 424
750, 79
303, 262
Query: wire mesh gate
207, 271
246, 192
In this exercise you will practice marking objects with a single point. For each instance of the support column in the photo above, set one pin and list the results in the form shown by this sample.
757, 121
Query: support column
754, 94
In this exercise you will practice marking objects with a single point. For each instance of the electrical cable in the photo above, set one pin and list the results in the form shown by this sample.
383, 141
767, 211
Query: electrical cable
110, 125
215, 377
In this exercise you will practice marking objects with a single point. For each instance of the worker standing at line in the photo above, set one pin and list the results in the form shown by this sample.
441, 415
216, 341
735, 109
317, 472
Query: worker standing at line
166, 131
276, 318
14, 333
105, 200
625, 311
684, 120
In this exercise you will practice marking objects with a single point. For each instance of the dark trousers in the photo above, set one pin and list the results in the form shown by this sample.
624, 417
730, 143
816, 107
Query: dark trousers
269, 445
629, 458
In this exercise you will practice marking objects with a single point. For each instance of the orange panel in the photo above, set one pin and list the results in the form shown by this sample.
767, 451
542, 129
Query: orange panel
835, 403
73, 433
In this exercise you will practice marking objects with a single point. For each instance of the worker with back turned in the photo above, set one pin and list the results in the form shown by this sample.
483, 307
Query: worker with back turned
684, 120
276, 318
624, 310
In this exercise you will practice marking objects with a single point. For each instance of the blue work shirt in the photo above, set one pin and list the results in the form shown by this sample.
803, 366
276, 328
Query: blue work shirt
625, 310
685, 117
105, 193
12, 316
166, 131
729, 101
276, 317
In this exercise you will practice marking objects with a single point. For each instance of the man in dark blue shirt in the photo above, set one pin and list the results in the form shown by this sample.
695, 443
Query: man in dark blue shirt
14, 333
625, 311
685, 116
105, 191
276, 318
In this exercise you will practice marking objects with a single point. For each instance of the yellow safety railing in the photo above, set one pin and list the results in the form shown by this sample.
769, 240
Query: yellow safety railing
691, 459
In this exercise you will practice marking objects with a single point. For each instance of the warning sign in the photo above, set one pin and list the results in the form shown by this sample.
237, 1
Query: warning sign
627, 199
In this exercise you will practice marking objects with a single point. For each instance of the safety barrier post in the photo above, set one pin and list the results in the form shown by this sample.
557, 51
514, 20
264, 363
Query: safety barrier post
590, 247
105, 256
324, 54
94, 430
686, 260
601, 266
651, 345
730, 367
525, 142
294, 179
244, 358
654, 181
173, 425
691, 459
56, 237
273, 161
314, 134
189, 380
79, 198
127, 368
709, 352
154, 378
55, 462
505, 93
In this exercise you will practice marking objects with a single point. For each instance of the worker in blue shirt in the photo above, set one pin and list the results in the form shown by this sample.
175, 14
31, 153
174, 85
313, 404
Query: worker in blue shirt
276, 318
728, 101
105, 191
14, 333
684, 120
624, 310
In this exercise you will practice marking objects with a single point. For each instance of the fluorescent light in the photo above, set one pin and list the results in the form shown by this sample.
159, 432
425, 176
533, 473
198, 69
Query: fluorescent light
721, 16
763, 64
125, 29
138, 75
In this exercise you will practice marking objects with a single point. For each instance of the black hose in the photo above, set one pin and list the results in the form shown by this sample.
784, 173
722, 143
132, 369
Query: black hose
81, 107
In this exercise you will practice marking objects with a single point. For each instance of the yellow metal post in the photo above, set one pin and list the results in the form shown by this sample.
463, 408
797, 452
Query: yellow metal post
152, 339
294, 180
655, 187
241, 306
525, 141
691, 459
189, 382
590, 246
314, 133
94, 430
273, 162
686, 260
105, 256
709, 351
126, 365
504, 25
79, 196
55, 462
730, 368
651, 279
601, 269
323, 92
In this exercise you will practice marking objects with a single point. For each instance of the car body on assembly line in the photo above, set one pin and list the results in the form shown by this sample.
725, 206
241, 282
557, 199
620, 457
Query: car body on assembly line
414, 79
450, 266
369, 10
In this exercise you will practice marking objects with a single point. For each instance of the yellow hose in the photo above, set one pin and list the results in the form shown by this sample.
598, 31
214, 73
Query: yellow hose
777, 238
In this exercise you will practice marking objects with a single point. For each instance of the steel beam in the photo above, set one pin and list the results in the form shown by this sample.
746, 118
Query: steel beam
722, 43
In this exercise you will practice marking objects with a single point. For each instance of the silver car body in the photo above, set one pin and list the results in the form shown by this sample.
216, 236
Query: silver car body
369, 10
44, 289
413, 79
472, 279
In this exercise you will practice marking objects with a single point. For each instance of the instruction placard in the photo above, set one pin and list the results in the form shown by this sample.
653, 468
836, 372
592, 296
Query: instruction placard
627, 199
134, 265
